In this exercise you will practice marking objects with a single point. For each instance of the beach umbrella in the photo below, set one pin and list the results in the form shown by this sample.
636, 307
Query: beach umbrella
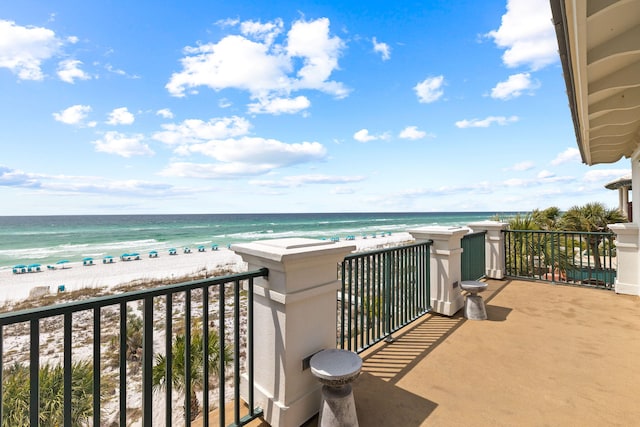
62, 262
20, 268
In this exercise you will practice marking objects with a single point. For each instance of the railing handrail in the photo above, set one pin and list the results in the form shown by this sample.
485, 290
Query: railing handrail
9, 318
600, 233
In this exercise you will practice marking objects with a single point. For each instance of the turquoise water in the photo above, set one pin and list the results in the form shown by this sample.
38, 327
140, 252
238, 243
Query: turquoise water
48, 239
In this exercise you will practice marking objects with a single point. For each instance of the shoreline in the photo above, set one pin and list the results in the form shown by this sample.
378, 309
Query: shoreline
76, 276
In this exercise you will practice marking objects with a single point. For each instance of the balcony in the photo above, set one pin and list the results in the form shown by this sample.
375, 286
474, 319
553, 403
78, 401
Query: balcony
548, 354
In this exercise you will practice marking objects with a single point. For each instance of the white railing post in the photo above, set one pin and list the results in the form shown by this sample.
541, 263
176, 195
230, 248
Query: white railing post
494, 247
446, 273
294, 317
627, 253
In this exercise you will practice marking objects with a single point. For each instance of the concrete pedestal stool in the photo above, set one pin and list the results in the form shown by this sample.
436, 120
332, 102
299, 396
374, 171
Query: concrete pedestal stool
474, 304
336, 369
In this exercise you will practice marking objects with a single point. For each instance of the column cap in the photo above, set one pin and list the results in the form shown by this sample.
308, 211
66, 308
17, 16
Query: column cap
438, 232
281, 250
489, 225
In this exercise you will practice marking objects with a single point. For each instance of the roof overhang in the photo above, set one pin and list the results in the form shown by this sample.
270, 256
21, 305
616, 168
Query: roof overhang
599, 46
624, 182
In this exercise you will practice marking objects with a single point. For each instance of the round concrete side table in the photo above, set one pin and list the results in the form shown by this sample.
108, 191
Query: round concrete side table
336, 370
474, 308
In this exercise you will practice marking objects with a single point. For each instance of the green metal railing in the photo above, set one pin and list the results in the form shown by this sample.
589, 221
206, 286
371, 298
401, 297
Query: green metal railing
382, 291
578, 258
191, 312
473, 264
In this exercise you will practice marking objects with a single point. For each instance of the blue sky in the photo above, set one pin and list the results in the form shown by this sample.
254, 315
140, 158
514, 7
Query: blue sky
125, 107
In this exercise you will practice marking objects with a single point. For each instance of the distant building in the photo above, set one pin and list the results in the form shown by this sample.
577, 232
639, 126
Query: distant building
623, 185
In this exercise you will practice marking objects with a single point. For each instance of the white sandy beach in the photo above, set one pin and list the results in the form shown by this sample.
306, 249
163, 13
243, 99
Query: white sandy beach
16, 287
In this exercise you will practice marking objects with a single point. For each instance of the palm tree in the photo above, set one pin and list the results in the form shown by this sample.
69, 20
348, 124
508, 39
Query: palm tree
592, 217
196, 376
546, 219
15, 396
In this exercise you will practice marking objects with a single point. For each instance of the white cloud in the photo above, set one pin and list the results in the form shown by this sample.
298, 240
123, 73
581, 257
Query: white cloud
198, 131
430, 89
484, 123
516, 182
568, 155
412, 132
23, 49
165, 113
123, 145
605, 175
69, 70
212, 170
363, 135
514, 86
544, 174
245, 156
310, 40
382, 48
120, 116
266, 32
255, 63
278, 106
10, 177
521, 166
73, 115
527, 34
256, 150
66, 184
298, 180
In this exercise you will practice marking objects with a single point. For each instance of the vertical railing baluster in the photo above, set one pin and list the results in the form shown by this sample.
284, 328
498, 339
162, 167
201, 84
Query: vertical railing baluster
221, 346
67, 369
187, 358
34, 372
168, 351
207, 355
349, 307
370, 309
97, 337
357, 309
250, 343
387, 284
147, 359
236, 351
123, 364
1, 373
343, 268
375, 295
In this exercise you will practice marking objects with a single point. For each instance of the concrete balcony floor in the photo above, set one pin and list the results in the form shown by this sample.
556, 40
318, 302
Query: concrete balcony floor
549, 355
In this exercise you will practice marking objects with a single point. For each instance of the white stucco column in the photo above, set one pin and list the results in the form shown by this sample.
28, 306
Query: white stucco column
294, 317
446, 274
635, 188
627, 255
494, 246
623, 198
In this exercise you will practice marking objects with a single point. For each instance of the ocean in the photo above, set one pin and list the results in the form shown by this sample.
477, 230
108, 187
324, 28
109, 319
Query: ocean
48, 239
